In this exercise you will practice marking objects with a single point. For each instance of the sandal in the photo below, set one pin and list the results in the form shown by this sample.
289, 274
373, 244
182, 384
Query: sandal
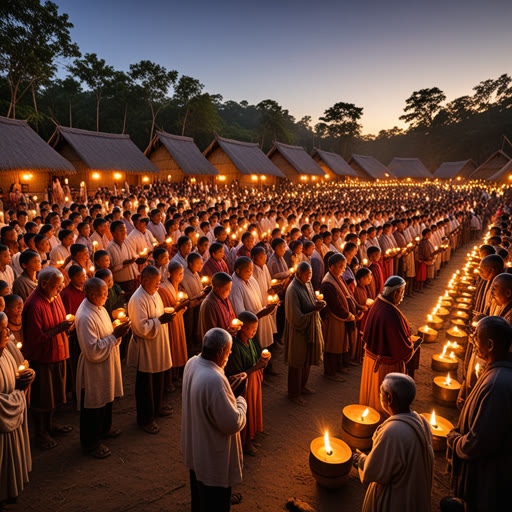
167, 410
236, 498
113, 433
298, 400
62, 429
102, 452
46, 442
152, 428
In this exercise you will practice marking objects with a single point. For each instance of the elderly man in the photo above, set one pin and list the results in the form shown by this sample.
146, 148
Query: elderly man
339, 326
501, 293
303, 340
46, 347
216, 310
400, 467
211, 423
480, 448
16, 461
140, 238
99, 378
388, 342
149, 350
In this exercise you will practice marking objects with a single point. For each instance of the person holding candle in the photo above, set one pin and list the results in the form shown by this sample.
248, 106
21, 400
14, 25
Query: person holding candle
216, 310
149, 350
501, 293
156, 226
46, 347
215, 263
6, 271
364, 278
13, 308
184, 245
212, 419
479, 450
99, 379
72, 296
100, 227
339, 325
426, 257
84, 231
400, 467
377, 283
15, 457
26, 282
246, 358
141, 238
303, 339
61, 251
388, 343
317, 262
116, 298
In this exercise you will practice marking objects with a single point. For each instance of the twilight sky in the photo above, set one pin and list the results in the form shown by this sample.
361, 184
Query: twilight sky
307, 55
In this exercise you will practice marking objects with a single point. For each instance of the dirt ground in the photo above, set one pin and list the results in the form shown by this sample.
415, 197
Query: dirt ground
146, 472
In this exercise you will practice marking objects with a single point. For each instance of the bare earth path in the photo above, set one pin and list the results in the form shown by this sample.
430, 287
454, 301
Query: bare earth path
146, 472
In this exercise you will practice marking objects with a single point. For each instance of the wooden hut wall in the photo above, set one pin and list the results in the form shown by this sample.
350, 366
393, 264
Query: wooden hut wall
325, 168
362, 173
35, 185
284, 166
221, 161
167, 165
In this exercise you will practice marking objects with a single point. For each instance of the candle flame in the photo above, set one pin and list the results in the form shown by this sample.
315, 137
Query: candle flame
477, 369
443, 354
19, 345
327, 444
433, 419
365, 413
429, 317
448, 380
452, 355
22, 367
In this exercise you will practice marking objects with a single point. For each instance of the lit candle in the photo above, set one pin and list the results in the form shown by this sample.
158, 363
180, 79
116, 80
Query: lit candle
205, 279
332, 457
19, 345
236, 323
94, 246
168, 240
70, 318
319, 295
445, 390
365, 262
119, 313
265, 354
144, 251
358, 423
169, 310
182, 296
440, 428
369, 302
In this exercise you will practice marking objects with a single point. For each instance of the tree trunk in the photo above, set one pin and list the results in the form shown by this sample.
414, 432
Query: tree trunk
185, 120
70, 116
35, 104
262, 138
124, 119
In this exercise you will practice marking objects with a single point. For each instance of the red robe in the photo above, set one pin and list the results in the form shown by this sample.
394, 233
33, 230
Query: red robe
72, 298
213, 266
377, 283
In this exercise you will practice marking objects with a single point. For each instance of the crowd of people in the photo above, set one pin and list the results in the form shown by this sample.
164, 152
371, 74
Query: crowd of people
196, 287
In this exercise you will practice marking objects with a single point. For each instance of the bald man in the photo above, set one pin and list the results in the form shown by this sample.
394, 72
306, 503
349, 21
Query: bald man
99, 378
501, 293
490, 267
480, 447
400, 467
46, 347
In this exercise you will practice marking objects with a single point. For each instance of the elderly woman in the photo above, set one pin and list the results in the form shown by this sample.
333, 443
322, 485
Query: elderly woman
46, 347
303, 340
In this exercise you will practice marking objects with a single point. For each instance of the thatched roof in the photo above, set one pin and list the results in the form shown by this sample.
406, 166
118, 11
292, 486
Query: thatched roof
452, 170
371, 166
334, 162
185, 152
297, 157
247, 157
104, 151
21, 148
491, 166
408, 168
503, 174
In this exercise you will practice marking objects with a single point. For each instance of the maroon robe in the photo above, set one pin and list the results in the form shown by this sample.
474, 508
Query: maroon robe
377, 283
213, 266
215, 312
72, 298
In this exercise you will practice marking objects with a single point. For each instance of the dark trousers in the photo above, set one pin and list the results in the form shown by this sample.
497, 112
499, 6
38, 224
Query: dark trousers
297, 380
332, 363
149, 392
208, 499
95, 424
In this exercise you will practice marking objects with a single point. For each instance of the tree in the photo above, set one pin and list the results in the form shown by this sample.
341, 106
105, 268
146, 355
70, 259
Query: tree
274, 119
153, 82
96, 74
422, 106
342, 121
456, 111
186, 89
488, 91
32, 37
203, 119
71, 88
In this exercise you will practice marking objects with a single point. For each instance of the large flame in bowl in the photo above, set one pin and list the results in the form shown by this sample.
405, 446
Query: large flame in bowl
327, 444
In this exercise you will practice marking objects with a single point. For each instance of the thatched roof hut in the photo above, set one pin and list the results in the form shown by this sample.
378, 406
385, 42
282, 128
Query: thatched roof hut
491, 166
103, 159
333, 164
243, 161
369, 168
26, 159
294, 162
178, 157
409, 168
504, 175
455, 170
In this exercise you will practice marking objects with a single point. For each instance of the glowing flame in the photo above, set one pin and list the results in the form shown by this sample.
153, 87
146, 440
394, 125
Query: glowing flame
429, 317
365, 413
443, 354
19, 345
22, 367
477, 369
433, 419
448, 380
327, 444
452, 355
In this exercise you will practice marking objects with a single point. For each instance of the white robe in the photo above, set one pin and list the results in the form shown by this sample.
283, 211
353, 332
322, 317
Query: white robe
246, 296
99, 365
150, 349
400, 467
140, 241
59, 253
15, 457
262, 276
8, 275
212, 419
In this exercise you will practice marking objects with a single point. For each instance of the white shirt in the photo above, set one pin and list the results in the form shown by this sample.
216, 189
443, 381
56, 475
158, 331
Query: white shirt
212, 419
119, 253
58, 253
140, 241
8, 275
99, 365
150, 348
158, 231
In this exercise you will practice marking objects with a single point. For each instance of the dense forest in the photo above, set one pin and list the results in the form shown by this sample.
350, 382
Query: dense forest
94, 95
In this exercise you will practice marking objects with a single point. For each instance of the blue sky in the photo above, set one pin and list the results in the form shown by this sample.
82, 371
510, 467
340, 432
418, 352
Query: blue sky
307, 55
